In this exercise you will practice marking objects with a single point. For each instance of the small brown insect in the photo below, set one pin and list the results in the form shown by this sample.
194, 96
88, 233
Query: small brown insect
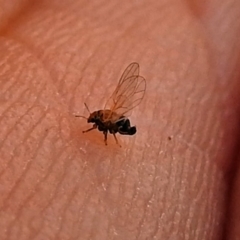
127, 95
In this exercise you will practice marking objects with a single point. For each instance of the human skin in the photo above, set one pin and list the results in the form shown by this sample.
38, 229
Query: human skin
177, 178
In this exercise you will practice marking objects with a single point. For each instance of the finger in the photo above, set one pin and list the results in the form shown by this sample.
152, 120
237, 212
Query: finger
152, 181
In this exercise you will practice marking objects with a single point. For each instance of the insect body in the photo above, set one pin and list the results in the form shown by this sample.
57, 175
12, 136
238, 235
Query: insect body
127, 95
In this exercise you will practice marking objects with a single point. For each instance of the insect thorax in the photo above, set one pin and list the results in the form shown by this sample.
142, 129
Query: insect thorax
108, 117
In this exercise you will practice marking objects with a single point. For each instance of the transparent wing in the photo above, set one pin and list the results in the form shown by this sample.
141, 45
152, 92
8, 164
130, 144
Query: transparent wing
131, 70
128, 93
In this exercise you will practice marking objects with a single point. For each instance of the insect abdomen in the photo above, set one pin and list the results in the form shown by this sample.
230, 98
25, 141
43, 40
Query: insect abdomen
125, 127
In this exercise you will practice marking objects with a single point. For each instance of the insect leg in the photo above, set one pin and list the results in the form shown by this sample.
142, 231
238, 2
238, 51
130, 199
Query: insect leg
116, 139
105, 137
90, 129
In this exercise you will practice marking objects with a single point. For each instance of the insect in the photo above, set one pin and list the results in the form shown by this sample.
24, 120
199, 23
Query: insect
127, 95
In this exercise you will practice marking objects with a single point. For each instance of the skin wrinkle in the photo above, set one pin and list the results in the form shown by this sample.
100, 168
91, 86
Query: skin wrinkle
20, 210
95, 233
99, 73
57, 235
14, 187
80, 82
40, 91
81, 217
12, 128
13, 82
34, 232
143, 221
83, 201
47, 175
84, 217
31, 50
8, 232
10, 162
55, 194
13, 85
93, 83
212, 207
139, 183
62, 79
223, 53
38, 183
162, 200
151, 197
31, 196
53, 199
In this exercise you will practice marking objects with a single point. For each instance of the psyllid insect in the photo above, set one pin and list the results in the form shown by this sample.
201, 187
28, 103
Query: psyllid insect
127, 95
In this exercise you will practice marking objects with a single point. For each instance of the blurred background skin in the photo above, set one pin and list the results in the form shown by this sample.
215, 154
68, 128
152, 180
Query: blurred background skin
177, 178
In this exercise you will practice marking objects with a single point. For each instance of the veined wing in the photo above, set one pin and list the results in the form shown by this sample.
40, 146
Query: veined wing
128, 93
131, 70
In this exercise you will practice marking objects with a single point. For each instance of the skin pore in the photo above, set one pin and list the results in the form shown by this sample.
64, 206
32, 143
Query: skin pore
177, 178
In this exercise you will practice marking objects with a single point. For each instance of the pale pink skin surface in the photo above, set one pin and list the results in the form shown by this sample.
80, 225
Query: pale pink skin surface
177, 178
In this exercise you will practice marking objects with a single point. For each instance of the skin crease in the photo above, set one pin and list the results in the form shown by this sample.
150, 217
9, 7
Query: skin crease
177, 178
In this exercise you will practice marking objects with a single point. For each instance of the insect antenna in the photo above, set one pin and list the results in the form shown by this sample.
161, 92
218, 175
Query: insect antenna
87, 107
88, 111
81, 116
